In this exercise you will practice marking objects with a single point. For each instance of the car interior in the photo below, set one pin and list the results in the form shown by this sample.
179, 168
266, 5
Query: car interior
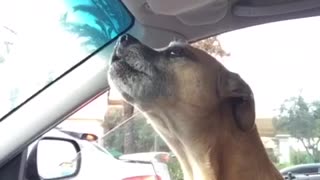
155, 23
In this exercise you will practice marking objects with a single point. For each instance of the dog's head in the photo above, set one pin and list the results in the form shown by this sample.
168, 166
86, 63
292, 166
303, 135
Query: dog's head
180, 84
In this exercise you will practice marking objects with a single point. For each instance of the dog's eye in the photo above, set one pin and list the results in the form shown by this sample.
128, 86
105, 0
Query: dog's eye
176, 52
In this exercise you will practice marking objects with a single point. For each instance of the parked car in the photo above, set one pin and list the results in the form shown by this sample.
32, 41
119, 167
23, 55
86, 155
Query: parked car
95, 160
302, 177
302, 171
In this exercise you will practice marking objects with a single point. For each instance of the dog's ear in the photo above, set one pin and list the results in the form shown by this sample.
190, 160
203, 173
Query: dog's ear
233, 89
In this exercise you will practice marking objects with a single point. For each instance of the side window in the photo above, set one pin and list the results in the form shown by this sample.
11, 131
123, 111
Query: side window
306, 170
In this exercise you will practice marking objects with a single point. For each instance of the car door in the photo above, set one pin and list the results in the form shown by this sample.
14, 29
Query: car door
306, 177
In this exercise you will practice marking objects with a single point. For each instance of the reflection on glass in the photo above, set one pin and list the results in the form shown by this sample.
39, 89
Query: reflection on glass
56, 159
39, 40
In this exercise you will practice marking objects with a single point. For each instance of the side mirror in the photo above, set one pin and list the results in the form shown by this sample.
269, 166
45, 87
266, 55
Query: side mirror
54, 158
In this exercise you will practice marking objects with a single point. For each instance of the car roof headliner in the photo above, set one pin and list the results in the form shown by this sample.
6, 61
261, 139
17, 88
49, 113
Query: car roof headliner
219, 16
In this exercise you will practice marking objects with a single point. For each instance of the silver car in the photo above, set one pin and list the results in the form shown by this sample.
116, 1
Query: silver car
302, 172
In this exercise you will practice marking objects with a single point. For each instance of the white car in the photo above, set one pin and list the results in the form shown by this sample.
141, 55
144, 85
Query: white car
95, 161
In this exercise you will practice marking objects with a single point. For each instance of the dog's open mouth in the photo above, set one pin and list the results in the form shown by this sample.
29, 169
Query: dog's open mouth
124, 67
133, 71
126, 60
129, 56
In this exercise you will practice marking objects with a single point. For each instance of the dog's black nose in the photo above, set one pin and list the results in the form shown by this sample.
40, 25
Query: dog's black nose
124, 38
127, 39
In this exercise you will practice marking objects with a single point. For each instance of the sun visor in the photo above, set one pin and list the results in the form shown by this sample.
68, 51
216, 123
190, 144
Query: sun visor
210, 14
191, 12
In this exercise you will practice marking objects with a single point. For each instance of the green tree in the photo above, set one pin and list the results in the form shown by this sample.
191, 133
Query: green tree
211, 45
141, 133
302, 121
297, 157
128, 129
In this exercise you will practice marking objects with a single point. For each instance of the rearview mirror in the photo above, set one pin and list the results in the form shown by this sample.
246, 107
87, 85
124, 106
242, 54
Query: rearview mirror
54, 158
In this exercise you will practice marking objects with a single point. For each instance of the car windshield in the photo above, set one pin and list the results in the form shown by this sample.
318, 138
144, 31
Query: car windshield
40, 40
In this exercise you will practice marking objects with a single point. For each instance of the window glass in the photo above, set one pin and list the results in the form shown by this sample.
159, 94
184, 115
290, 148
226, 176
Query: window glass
306, 170
40, 40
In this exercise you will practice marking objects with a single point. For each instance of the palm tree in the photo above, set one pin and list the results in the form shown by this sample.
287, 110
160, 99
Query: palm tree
102, 21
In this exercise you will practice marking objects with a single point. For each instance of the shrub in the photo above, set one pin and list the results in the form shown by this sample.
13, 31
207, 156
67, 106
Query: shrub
282, 165
175, 169
298, 157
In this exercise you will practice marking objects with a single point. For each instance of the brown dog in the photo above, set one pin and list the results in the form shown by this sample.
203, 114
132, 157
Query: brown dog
204, 112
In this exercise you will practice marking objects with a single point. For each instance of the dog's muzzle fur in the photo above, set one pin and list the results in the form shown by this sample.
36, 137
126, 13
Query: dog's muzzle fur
135, 69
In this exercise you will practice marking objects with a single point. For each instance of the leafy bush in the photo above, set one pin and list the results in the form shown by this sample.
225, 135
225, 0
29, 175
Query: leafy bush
175, 169
298, 157
282, 165
143, 134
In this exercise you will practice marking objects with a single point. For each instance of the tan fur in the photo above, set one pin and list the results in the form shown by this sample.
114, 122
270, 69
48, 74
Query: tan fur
211, 141
223, 153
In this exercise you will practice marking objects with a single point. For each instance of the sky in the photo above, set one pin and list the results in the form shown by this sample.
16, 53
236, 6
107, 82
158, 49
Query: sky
278, 60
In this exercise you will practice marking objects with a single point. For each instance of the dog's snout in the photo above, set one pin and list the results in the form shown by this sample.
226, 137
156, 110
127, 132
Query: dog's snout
126, 39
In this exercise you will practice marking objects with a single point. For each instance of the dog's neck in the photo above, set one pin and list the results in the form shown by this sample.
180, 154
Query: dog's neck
238, 154
241, 157
232, 156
